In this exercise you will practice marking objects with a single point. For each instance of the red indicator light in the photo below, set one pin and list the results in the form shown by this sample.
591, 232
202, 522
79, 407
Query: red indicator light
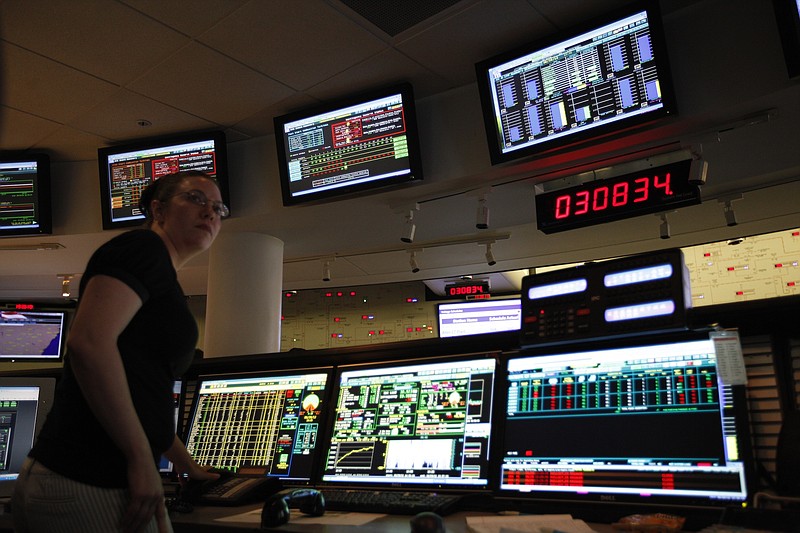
530, 319
24, 307
795, 233
328, 294
582, 311
337, 319
730, 269
739, 293
333, 335
340, 294
381, 332
363, 317
790, 284
352, 293
409, 330
371, 333
707, 254
417, 329
779, 265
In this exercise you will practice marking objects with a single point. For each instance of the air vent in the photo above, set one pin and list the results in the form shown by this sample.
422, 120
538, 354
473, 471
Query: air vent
396, 17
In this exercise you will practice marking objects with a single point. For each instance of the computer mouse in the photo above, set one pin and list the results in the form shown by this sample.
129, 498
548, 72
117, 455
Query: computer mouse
427, 522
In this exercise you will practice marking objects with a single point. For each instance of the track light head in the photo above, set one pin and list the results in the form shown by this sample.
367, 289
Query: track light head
326, 271
664, 229
490, 260
730, 214
410, 228
412, 261
482, 217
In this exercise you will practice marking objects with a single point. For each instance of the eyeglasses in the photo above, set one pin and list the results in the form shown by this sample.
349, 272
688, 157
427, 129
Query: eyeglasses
198, 198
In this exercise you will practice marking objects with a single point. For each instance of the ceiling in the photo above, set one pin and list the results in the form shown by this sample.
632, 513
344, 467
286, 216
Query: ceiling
82, 74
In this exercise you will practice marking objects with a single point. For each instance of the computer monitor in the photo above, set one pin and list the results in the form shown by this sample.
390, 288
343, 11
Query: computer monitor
476, 317
126, 169
33, 332
413, 424
579, 85
352, 145
24, 404
265, 422
25, 202
643, 423
164, 464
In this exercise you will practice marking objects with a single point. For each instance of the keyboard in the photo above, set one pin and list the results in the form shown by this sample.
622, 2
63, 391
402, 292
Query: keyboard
390, 502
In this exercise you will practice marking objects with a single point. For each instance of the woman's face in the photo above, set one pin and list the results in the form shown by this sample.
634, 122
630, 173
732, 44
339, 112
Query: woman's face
191, 227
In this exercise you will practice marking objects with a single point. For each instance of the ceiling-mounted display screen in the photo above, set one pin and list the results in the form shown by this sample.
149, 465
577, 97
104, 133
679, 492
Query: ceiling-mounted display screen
585, 83
349, 146
125, 170
25, 207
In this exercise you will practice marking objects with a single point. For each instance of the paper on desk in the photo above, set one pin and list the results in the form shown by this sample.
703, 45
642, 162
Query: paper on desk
296, 517
527, 524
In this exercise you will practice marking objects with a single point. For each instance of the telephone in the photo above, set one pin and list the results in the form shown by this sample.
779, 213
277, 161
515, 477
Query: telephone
229, 489
276, 509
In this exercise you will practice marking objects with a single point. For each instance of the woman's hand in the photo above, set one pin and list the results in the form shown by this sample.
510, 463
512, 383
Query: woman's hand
146, 497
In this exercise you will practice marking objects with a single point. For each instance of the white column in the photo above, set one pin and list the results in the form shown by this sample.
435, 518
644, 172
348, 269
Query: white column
243, 305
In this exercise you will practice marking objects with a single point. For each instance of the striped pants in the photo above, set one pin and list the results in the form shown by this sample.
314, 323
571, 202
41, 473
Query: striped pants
46, 502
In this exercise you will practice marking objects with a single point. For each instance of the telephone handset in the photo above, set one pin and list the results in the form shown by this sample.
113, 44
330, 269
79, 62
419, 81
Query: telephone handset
229, 489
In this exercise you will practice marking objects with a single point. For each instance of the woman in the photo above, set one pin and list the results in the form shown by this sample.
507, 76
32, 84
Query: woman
94, 465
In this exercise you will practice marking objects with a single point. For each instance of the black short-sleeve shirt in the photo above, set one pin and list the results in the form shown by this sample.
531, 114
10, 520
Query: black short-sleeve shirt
156, 347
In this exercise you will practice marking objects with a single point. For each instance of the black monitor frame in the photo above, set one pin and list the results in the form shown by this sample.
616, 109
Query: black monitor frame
787, 16
41, 222
44, 311
129, 216
581, 127
317, 125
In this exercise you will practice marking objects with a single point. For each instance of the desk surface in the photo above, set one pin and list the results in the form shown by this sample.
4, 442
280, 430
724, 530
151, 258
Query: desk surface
205, 519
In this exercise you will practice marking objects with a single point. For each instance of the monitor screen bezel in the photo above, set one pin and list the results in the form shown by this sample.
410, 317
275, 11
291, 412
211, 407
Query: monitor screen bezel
43, 207
466, 304
580, 137
185, 425
741, 415
154, 143
66, 311
413, 175
395, 483
787, 16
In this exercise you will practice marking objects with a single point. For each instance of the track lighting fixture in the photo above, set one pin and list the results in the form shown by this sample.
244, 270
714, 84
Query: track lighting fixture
482, 217
412, 261
664, 228
490, 260
410, 226
326, 270
730, 214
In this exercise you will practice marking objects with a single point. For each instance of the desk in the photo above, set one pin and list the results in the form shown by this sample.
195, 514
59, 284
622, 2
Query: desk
203, 520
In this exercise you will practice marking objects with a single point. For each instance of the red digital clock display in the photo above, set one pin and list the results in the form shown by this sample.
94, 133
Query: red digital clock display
463, 290
649, 191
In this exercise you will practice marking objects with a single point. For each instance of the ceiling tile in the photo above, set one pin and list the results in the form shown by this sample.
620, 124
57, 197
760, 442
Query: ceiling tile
267, 37
116, 118
202, 15
261, 123
455, 44
48, 89
101, 37
67, 144
381, 70
20, 130
211, 86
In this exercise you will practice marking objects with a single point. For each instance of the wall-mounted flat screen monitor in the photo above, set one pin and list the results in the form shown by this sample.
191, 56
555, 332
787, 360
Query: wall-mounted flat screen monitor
787, 15
266, 421
353, 145
577, 86
25, 203
32, 332
24, 404
125, 171
638, 423
475, 317
415, 424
